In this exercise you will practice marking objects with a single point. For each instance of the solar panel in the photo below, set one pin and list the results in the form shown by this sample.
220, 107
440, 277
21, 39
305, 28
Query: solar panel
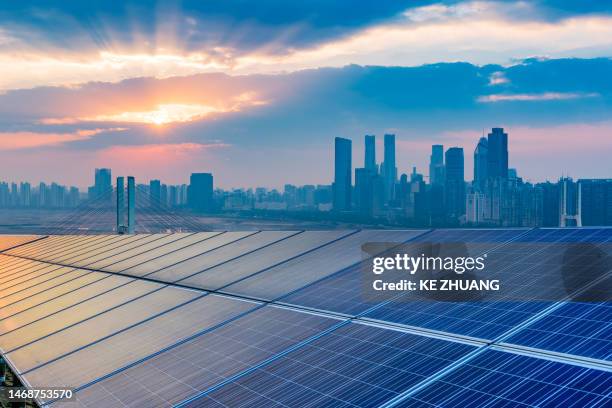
254, 262
288, 324
70, 338
10, 241
354, 365
308, 268
497, 378
195, 365
583, 329
101, 358
197, 254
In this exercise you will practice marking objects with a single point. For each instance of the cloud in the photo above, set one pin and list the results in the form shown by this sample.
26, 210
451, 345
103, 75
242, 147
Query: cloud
30, 140
163, 114
72, 45
546, 96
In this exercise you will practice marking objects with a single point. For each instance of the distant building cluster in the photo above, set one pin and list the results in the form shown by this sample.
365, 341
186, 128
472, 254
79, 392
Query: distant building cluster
24, 195
374, 193
496, 197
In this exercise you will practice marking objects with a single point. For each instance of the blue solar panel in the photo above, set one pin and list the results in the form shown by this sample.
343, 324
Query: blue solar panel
355, 365
500, 379
583, 329
193, 366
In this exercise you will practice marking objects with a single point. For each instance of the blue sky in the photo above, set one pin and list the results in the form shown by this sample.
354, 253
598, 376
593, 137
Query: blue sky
257, 94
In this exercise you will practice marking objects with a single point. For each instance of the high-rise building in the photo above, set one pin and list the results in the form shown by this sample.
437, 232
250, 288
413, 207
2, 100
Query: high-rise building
436, 165
200, 192
155, 193
481, 163
497, 154
364, 191
389, 167
370, 153
455, 183
342, 174
596, 202
102, 184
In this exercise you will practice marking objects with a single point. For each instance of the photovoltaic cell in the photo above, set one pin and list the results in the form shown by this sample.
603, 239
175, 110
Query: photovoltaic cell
315, 265
501, 379
67, 274
355, 365
54, 300
196, 255
167, 249
41, 298
257, 261
115, 242
343, 292
92, 257
191, 367
142, 340
14, 335
94, 329
583, 329
490, 319
10, 241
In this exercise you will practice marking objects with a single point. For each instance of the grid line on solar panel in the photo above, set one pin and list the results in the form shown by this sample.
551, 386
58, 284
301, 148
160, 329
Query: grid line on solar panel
41, 287
201, 238
497, 378
104, 253
258, 261
183, 322
47, 243
81, 244
8, 242
487, 320
85, 260
20, 336
51, 294
20, 284
171, 375
198, 253
573, 328
342, 292
55, 305
113, 243
60, 245
215, 256
127, 254
354, 364
277, 281
55, 347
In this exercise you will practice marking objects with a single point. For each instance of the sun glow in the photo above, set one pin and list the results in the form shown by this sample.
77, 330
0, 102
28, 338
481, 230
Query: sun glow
164, 114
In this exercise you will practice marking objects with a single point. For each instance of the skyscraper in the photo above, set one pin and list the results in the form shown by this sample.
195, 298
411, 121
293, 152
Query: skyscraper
497, 154
596, 201
455, 183
155, 193
200, 192
389, 167
481, 163
370, 153
342, 174
436, 165
364, 191
102, 184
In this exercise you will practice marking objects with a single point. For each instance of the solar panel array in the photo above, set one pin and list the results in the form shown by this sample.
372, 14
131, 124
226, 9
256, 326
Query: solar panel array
277, 318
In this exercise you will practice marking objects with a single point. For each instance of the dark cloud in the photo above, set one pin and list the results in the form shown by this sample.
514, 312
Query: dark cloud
241, 24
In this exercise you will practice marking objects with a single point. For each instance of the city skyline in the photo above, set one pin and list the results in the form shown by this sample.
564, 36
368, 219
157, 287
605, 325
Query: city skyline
155, 89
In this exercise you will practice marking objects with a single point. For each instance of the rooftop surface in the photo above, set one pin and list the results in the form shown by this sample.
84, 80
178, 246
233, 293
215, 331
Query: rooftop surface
278, 318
